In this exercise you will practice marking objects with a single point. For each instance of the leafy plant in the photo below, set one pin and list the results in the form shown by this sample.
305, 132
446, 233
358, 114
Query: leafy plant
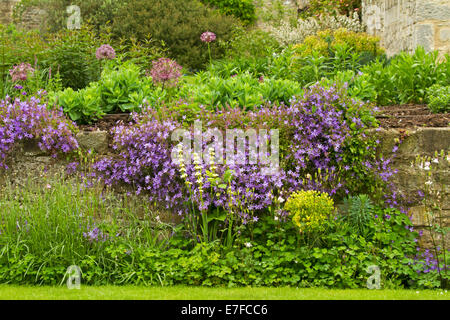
438, 98
359, 213
406, 77
178, 23
242, 9
309, 210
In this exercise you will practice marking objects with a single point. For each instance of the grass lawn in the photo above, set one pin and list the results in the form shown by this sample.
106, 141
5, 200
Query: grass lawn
199, 293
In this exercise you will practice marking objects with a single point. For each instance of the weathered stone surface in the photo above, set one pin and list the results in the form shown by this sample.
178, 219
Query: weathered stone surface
444, 34
433, 10
404, 25
96, 141
425, 36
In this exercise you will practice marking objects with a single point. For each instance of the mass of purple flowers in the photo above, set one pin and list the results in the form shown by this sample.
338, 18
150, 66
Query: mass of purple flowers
165, 71
20, 120
315, 134
105, 51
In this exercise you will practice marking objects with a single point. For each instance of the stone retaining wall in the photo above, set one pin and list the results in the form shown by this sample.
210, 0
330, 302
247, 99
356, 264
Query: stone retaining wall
411, 177
29, 160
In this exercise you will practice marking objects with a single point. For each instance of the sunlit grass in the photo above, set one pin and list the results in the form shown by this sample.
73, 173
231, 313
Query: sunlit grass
200, 293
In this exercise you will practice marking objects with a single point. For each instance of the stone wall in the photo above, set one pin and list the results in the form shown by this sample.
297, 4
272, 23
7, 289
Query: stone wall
31, 18
403, 25
6, 10
411, 177
29, 160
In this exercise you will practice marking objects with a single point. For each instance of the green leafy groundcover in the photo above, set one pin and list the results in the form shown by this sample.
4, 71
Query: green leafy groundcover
272, 258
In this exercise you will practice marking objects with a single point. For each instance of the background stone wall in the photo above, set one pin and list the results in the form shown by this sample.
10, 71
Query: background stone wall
403, 25
32, 18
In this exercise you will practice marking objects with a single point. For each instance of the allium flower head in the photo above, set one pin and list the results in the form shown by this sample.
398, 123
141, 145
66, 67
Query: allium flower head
165, 70
105, 51
21, 71
208, 37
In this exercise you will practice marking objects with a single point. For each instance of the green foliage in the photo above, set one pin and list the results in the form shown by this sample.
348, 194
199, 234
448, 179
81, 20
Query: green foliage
310, 209
250, 44
439, 98
72, 54
121, 88
406, 77
316, 7
178, 23
242, 9
242, 90
43, 231
45, 226
358, 84
95, 12
359, 213
325, 42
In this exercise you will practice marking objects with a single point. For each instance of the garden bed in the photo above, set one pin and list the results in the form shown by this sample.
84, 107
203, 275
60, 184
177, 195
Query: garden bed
411, 115
396, 116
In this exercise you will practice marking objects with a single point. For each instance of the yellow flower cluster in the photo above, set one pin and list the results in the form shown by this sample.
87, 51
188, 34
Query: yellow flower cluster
357, 41
310, 209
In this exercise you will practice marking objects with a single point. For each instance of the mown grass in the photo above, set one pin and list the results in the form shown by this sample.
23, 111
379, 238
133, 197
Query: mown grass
8, 292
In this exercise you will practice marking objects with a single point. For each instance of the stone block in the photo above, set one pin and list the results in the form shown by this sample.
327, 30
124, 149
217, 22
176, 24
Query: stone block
434, 139
96, 141
433, 10
444, 34
425, 36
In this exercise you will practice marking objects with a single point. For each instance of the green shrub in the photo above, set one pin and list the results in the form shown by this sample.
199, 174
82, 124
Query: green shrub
316, 7
250, 44
309, 210
179, 24
326, 41
359, 213
242, 9
406, 77
95, 12
243, 90
439, 98
121, 88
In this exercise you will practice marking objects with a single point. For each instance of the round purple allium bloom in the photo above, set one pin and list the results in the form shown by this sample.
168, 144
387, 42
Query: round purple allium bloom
105, 51
165, 70
21, 71
208, 37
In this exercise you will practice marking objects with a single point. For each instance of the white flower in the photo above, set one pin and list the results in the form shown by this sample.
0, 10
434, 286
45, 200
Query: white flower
248, 244
435, 160
426, 165
276, 218
429, 182
280, 199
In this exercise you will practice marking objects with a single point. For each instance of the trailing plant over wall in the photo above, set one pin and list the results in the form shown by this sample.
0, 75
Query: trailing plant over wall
31, 119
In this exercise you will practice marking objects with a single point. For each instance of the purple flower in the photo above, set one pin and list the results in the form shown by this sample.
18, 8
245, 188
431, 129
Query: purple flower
165, 71
29, 119
18, 87
21, 72
208, 37
105, 51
